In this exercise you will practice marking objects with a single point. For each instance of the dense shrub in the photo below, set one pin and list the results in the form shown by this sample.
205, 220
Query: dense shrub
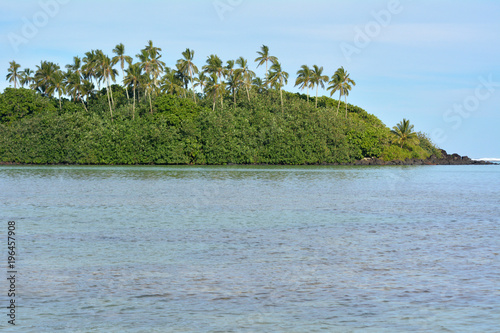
180, 131
19, 103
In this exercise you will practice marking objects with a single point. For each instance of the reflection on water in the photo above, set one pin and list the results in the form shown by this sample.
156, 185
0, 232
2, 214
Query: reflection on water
256, 249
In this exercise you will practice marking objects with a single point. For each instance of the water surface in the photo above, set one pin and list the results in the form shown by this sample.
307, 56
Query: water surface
255, 249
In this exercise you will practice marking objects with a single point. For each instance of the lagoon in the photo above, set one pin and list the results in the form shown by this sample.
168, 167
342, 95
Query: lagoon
254, 249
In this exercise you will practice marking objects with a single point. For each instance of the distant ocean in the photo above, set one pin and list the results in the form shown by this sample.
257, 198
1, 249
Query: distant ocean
493, 160
252, 249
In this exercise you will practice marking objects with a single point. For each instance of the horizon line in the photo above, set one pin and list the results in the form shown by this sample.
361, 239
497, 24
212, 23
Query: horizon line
493, 159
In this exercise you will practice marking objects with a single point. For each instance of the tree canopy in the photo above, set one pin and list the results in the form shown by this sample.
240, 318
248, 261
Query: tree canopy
223, 113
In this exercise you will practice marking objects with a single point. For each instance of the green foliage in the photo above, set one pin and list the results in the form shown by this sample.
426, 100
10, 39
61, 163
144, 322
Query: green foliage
80, 115
367, 141
394, 152
119, 95
175, 109
180, 131
426, 144
403, 134
19, 103
70, 107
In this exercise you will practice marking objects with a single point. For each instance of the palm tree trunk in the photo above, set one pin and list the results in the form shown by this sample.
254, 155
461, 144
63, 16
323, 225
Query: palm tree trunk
109, 102
267, 75
221, 97
150, 103
248, 93
316, 96
194, 93
192, 84
133, 107
126, 88
281, 94
84, 105
345, 101
338, 105
110, 91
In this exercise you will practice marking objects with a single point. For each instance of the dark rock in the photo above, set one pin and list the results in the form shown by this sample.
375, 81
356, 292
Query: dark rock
446, 159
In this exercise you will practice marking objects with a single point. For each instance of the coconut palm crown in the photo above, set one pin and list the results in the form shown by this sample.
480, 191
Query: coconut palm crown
342, 83
403, 132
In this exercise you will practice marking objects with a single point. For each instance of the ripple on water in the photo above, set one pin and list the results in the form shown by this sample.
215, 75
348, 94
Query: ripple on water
292, 250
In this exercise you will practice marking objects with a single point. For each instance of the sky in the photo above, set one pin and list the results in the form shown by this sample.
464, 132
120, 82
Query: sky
434, 62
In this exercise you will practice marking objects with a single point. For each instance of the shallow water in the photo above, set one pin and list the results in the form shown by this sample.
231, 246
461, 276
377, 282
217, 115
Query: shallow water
254, 249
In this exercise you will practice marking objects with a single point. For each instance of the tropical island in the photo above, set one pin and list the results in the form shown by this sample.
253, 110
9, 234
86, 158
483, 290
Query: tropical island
219, 114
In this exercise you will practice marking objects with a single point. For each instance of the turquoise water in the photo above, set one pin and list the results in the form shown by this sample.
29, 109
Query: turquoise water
254, 249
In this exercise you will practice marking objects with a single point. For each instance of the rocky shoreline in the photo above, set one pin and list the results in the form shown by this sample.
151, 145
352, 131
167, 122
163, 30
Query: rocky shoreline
446, 159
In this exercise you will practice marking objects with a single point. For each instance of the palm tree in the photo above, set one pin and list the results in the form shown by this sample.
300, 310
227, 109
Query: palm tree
183, 79
278, 77
58, 82
246, 74
229, 69
342, 83
90, 68
234, 79
26, 77
404, 132
73, 83
304, 79
214, 67
188, 68
120, 57
134, 73
201, 81
76, 66
44, 77
157, 66
172, 83
214, 88
86, 89
76, 86
73, 78
259, 85
13, 75
150, 48
153, 67
106, 71
318, 79
146, 66
149, 88
264, 57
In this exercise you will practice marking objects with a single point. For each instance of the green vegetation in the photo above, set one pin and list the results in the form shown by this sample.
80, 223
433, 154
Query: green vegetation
342, 83
161, 115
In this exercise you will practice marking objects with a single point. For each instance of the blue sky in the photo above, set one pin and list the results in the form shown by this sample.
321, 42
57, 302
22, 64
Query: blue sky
435, 62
